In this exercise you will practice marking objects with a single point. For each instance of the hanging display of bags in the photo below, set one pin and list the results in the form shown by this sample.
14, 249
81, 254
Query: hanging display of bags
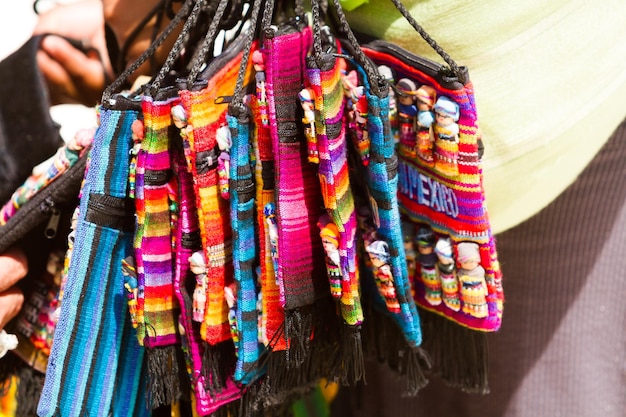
265, 218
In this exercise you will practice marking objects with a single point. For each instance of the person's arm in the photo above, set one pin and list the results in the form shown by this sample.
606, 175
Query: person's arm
80, 76
74, 74
13, 267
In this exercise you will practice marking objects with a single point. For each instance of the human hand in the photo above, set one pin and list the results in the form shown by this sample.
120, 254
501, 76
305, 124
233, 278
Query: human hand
133, 36
13, 267
73, 75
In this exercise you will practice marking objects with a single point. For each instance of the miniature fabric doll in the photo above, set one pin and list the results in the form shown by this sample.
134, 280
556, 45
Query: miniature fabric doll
330, 241
427, 259
137, 129
472, 278
197, 265
131, 286
308, 120
447, 274
425, 96
378, 252
269, 211
387, 74
259, 67
407, 113
230, 294
446, 132
223, 139
180, 120
179, 116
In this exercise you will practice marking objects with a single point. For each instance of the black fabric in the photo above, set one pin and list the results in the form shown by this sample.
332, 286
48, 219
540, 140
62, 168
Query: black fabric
560, 350
28, 135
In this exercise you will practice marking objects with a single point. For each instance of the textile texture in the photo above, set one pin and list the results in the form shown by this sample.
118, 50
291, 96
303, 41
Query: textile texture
333, 171
382, 184
205, 117
244, 249
298, 198
153, 237
91, 330
546, 359
448, 197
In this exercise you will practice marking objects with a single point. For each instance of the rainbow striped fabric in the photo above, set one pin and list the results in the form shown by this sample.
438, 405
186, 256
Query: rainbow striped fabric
452, 204
153, 237
298, 198
205, 117
330, 129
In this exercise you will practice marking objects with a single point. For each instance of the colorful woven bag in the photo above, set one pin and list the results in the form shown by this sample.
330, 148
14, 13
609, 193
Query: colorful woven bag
454, 265
37, 219
92, 337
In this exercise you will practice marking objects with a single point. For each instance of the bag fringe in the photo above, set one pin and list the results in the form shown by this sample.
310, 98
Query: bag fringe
165, 367
460, 355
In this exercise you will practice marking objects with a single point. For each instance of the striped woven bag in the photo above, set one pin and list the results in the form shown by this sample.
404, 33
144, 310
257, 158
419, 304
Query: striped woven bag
157, 305
338, 225
377, 178
95, 349
456, 271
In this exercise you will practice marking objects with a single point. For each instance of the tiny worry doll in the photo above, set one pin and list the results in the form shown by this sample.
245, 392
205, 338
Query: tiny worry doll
272, 232
427, 259
358, 126
258, 62
407, 114
137, 135
308, 120
197, 265
230, 293
356, 111
408, 234
425, 96
447, 273
378, 252
131, 286
446, 132
179, 120
223, 139
330, 241
472, 278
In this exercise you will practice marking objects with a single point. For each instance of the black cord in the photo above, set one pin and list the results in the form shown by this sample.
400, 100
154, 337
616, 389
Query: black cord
237, 100
178, 46
378, 85
461, 75
209, 39
123, 77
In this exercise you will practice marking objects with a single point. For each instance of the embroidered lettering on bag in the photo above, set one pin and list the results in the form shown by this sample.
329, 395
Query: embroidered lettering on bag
427, 191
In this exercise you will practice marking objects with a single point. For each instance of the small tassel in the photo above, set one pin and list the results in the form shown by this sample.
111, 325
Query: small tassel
298, 326
353, 366
385, 342
412, 368
460, 355
218, 362
164, 386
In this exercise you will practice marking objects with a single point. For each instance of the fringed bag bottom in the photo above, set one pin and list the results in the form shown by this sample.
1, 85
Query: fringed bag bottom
384, 341
460, 356
166, 376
